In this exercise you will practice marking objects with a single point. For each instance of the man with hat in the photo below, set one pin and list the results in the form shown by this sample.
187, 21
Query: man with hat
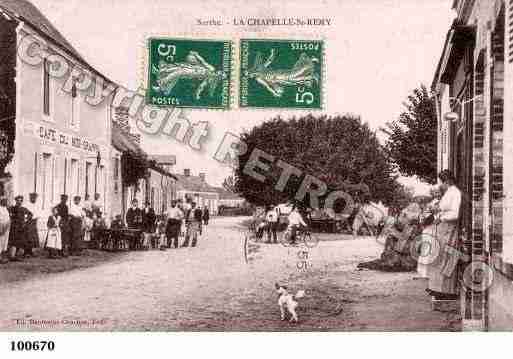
76, 216
174, 224
32, 229
18, 235
63, 212
149, 219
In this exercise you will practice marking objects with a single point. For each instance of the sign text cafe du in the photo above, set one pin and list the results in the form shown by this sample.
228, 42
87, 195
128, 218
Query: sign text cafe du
57, 137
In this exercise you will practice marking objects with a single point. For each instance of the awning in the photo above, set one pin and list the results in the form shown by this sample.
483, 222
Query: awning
153, 166
460, 37
123, 143
134, 161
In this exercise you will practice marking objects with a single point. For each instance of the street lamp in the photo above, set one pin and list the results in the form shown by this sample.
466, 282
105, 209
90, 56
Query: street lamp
453, 116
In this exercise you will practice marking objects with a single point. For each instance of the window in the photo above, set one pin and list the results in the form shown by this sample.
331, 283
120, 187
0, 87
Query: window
116, 169
46, 88
47, 178
88, 178
101, 182
74, 182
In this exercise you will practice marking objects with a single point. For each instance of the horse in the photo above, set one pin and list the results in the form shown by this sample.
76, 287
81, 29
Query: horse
372, 215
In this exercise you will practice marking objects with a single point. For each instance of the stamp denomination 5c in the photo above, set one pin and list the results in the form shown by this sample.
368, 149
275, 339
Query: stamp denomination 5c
189, 73
281, 73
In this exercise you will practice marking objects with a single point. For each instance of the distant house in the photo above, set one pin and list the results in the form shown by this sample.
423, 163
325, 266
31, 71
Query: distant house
229, 199
197, 189
165, 161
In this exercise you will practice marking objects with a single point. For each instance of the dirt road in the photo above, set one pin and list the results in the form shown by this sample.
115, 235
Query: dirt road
211, 287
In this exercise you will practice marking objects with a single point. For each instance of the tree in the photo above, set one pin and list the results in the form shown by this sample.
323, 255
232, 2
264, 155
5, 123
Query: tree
341, 151
229, 184
412, 138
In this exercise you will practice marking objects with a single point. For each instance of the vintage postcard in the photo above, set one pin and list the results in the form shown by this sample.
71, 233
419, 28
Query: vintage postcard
292, 166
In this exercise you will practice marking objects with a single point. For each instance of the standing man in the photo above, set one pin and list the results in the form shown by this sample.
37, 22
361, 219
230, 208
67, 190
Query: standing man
32, 225
134, 216
18, 233
64, 224
206, 215
76, 214
195, 218
134, 219
272, 224
149, 219
174, 224
187, 209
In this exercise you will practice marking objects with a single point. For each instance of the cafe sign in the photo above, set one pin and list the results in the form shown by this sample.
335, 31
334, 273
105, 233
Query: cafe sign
54, 136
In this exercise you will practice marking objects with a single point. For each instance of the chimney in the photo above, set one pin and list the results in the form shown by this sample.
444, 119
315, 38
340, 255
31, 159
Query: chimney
187, 172
202, 176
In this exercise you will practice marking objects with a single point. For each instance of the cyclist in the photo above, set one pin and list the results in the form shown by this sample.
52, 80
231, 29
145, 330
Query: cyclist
272, 223
295, 223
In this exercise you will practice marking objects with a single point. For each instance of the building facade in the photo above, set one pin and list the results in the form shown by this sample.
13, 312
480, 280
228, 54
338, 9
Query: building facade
198, 190
61, 143
136, 176
473, 85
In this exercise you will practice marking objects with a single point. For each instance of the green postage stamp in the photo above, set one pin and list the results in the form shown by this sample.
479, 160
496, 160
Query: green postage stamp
189, 73
281, 74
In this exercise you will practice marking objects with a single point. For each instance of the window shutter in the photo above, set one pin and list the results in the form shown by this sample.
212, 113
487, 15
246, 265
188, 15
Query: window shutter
509, 30
40, 174
57, 179
35, 166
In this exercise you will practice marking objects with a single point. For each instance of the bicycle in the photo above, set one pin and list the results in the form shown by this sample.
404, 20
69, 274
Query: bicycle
302, 235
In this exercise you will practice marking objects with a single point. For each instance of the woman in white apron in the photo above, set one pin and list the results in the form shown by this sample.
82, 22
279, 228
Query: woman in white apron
427, 248
5, 224
443, 272
53, 236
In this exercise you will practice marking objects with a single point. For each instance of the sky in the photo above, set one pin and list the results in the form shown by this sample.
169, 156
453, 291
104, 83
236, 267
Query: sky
377, 52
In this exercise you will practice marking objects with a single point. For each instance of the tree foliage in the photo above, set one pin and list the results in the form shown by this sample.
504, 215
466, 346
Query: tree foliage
341, 151
412, 138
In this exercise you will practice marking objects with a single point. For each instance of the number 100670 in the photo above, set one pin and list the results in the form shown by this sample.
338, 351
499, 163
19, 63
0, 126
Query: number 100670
32, 346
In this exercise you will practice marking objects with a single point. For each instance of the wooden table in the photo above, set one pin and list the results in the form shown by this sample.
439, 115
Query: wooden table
121, 239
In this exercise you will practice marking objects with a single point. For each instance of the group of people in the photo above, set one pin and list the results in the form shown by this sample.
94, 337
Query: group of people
268, 222
68, 225
424, 237
164, 231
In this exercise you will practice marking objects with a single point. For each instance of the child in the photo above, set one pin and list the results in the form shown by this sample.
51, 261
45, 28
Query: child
53, 236
88, 226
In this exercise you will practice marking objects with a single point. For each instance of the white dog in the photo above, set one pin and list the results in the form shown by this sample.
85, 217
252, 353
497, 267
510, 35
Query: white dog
287, 300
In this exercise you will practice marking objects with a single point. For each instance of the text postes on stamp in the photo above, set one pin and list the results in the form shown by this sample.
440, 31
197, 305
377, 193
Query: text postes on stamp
281, 73
189, 73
